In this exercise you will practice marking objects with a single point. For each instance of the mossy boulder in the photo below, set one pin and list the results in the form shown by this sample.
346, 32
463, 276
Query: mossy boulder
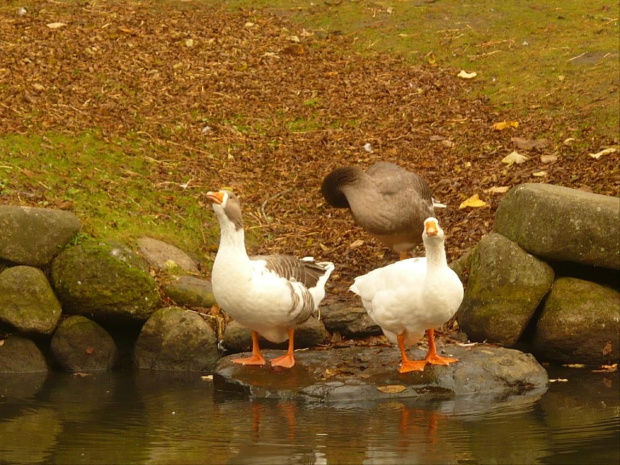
505, 286
580, 323
165, 256
33, 236
104, 281
559, 223
21, 355
238, 338
80, 344
191, 292
177, 340
27, 301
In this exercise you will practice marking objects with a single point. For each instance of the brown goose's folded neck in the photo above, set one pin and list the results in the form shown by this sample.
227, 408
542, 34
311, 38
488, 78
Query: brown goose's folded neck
335, 181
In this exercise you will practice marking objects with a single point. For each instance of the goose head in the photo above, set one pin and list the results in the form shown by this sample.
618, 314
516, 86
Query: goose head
432, 231
227, 208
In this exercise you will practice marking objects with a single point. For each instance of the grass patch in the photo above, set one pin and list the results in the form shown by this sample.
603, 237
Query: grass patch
107, 184
556, 58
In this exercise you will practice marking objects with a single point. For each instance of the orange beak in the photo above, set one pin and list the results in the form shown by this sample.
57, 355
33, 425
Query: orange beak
432, 229
215, 197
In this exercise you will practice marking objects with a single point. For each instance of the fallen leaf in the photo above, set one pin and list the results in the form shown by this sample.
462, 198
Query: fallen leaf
392, 388
607, 349
514, 157
558, 380
356, 244
569, 141
55, 25
207, 378
574, 365
189, 43
447, 143
505, 125
608, 151
497, 190
539, 174
79, 374
465, 75
529, 144
90, 350
607, 382
1, 342
474, 202
549, 158
606, 368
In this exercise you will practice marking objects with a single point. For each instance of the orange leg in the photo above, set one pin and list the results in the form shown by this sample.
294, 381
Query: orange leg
287, 360
256, 358
404, 255
408, 365
431, 356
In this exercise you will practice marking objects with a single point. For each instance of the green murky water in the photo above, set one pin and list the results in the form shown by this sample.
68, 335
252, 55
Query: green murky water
148, 418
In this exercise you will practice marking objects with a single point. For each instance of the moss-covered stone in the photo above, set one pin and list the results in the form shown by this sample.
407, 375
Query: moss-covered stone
580, 323
33, 236
178, 340
104, 281
21, 355
80, 344
505, 286
27, 301
191, 292
564, 224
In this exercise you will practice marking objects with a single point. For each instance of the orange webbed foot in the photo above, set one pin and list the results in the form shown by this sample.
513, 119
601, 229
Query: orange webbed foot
437, 360
286, 361
412, 365
253, 360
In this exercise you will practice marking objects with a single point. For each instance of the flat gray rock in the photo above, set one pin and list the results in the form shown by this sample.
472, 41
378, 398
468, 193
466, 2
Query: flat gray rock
33, 236
359, 375
563, 224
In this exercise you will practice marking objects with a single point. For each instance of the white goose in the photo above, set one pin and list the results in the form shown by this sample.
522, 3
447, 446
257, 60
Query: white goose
412, 296
268, 294
405, 198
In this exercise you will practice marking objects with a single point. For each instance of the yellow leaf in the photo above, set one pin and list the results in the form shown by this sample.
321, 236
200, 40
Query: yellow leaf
497, 190
505, 125
356, 244
392, 388
608, 151
514, 157
189, 43
474, 202
574, 365
207, 378
558, 380
539, 174
465, 75
55, 25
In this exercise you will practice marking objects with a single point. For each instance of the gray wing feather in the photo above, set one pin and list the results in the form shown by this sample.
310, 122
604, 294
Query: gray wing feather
292, 268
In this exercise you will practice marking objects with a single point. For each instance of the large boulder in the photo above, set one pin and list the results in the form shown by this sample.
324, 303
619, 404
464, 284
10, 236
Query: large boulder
33, 236
563, 224
28, 302
579, 323
189, 291
238, 338
80, 344
165, 256
505, 286
21, 355
104, 281
353, 322
177, 340
358, 375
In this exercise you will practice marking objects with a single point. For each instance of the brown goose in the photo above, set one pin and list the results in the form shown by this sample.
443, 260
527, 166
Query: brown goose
268, 294
386, 200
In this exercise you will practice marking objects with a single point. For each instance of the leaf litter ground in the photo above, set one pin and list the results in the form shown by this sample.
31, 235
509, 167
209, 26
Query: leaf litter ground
250, 101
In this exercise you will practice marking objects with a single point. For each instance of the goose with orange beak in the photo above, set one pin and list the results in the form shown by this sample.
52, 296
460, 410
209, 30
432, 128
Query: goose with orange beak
269, 294
413, 296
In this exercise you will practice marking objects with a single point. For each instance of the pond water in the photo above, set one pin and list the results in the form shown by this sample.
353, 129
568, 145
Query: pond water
167, 418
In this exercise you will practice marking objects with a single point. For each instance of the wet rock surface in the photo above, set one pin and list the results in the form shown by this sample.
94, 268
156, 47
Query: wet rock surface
361, 374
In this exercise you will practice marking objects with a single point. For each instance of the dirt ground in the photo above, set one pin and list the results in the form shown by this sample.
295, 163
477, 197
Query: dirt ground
248, 100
